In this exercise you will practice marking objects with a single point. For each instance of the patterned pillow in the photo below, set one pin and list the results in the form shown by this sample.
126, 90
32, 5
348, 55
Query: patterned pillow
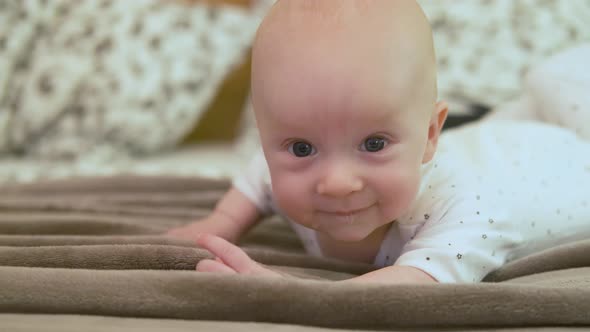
485, 47
131, 76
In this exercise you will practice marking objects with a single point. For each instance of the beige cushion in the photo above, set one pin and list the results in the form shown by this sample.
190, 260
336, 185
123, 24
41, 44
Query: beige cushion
560, 89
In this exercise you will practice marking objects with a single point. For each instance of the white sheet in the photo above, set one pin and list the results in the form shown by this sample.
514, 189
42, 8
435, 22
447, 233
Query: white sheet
207, 160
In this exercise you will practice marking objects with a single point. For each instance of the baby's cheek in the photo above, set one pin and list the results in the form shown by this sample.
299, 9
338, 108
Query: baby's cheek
397, 192
290, 194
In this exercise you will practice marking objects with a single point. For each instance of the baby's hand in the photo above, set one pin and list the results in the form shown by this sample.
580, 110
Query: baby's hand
229, 258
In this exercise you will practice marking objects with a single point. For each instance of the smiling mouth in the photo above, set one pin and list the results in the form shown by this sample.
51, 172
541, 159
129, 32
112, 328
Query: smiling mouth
347, 213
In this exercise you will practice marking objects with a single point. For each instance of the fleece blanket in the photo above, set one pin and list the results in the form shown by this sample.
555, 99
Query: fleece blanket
88, 254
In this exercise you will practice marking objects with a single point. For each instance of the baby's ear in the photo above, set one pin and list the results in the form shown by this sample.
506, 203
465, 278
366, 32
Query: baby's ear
437, 121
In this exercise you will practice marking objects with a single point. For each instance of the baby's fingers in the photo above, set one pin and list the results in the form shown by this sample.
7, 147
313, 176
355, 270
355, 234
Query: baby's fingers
208, 265
229, 254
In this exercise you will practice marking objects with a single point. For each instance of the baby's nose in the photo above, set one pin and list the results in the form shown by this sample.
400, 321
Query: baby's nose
339, 184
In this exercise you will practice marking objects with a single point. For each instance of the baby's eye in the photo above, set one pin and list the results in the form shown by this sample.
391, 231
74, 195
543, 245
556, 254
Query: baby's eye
301, 149
374, 144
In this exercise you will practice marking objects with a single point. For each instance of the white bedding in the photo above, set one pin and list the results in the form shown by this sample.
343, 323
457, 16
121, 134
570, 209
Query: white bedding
208, 160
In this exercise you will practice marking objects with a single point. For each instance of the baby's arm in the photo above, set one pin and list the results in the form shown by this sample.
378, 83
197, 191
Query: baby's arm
231, 259
460, 243
233, 216
239, 209
462, 246
395, 274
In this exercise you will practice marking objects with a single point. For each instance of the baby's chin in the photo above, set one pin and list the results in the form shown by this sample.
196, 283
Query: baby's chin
353, 234
341, 230
345, 228
346, 236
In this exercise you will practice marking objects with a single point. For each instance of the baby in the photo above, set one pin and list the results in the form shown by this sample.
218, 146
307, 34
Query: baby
345, 98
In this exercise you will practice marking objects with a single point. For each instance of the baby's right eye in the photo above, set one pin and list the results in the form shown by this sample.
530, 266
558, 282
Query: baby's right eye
301, 149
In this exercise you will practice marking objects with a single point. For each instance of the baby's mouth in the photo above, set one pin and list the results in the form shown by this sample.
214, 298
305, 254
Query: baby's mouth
345, 213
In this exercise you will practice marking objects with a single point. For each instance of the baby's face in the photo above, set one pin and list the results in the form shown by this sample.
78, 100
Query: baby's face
343, 104
344, 150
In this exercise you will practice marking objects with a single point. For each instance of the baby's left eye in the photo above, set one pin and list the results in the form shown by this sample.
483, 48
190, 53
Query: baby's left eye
374, 144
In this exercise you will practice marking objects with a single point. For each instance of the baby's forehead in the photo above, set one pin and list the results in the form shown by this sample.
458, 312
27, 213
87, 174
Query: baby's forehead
336, 125
326, 81
319, 103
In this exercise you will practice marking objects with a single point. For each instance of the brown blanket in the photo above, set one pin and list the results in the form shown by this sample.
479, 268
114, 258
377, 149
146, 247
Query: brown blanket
93, 247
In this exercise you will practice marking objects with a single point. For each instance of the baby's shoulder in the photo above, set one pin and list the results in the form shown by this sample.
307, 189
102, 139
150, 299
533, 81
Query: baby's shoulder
487, 140
441, 196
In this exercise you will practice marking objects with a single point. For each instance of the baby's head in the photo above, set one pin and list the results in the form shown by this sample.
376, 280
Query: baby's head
344, 93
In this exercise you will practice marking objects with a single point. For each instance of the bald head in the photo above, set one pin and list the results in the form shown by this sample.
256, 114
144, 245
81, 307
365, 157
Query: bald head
385, 43
310, 13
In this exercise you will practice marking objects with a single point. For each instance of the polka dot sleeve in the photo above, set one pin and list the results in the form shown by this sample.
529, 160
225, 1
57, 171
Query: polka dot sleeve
463, 246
